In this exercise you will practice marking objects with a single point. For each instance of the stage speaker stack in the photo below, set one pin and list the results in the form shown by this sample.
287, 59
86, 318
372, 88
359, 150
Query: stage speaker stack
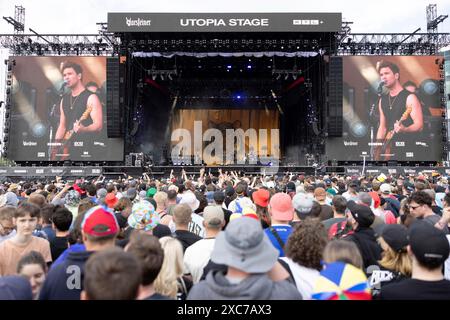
114, 83
128, 160
335, 97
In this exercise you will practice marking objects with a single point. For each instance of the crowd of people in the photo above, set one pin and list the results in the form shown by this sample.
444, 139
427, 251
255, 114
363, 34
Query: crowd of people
226, 237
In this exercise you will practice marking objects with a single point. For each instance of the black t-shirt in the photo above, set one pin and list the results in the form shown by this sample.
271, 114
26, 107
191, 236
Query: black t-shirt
228, 201
414, 289
394, 107
226, 214
57, 246
186, 238
381, 277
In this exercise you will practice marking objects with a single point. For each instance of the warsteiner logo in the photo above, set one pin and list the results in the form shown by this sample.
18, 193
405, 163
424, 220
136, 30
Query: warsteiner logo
138, 22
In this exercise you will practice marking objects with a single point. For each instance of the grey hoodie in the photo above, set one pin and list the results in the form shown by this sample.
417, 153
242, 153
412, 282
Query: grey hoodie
256, 287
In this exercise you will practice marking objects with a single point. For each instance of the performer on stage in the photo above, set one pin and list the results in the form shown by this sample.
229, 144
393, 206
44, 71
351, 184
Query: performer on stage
400, 112
81, 114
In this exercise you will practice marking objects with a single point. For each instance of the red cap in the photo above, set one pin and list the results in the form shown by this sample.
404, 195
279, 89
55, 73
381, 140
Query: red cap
261, 197
77, 188
111, 200
99, 222
281, 207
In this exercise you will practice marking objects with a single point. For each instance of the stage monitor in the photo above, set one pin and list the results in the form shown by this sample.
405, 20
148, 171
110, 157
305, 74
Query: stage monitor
59, 110
392, 110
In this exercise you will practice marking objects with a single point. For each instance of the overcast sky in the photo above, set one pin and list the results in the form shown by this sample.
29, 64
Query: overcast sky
56, 16
80, 17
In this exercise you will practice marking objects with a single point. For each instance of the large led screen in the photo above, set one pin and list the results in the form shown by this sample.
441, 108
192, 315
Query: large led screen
59, 111
392, 109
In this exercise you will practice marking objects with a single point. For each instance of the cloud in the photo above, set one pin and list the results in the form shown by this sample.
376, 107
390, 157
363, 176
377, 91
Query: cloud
52, 16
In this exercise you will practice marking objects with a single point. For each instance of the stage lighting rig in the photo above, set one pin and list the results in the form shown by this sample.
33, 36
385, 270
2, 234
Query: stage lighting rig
162, 74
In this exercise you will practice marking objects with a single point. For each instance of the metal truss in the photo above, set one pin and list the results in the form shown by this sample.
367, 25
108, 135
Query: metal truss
392, 43
225, 45
103, 44
109, 44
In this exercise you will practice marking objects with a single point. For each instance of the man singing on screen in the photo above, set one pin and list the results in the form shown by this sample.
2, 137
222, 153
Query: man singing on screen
400, 112
81, 115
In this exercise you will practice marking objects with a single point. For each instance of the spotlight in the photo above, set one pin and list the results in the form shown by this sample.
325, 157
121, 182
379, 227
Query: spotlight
169, 76
286, 76
154, 77
229, 66
249, 66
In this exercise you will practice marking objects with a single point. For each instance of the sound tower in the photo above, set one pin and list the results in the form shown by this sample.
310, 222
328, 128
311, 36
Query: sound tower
335, 101
115, 83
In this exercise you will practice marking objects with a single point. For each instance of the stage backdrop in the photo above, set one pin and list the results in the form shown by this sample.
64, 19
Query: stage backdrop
420, 74
36, 95
232, 119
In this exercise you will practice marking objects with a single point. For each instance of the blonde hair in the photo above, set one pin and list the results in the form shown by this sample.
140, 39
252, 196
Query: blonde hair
160, 198
172, 268
395, 261
344, 251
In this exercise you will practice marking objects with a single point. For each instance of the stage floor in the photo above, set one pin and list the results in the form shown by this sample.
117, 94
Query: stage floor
20, 173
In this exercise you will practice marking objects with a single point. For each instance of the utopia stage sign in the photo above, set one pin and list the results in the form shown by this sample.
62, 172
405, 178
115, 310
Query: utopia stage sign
224, 22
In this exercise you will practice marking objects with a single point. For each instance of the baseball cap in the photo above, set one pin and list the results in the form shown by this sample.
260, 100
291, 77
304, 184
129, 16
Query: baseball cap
111, 200
354, 184
408, 186
429, 245
385, 188
11, 199
99, 222
78, 189
213, 216
142, 194
290, 187
281, 207
101, 193
361, 213
382, 177
151, 192
229, 191
131, 193
261, 197
396, 236
219, 196
302, 204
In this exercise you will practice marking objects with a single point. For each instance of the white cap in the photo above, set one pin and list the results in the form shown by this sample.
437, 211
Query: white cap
385, 188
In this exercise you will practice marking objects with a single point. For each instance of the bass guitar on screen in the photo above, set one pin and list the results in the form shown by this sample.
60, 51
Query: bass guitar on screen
384, 150
62, 150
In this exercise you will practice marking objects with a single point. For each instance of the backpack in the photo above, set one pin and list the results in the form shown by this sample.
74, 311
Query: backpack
340, 230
